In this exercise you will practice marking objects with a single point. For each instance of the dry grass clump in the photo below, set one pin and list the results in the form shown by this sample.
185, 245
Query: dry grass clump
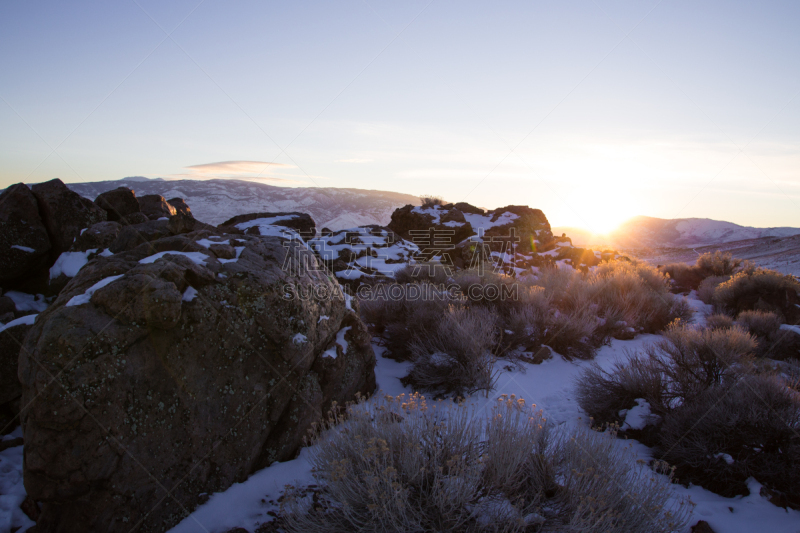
456, 356
759, 289
403, 465
750, 428
719, 321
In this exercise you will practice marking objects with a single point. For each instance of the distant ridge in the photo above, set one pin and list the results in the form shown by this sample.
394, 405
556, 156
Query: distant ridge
651, 232
214, 201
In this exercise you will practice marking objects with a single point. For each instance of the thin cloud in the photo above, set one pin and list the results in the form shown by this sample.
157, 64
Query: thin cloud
355, 160
244, 170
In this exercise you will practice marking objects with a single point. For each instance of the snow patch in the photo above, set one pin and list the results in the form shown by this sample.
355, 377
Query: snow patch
189, 294
27, 320
86, 296
198, 257
23, 248
331, 352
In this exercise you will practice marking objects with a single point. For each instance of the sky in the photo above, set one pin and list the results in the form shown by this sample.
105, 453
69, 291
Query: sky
591, 111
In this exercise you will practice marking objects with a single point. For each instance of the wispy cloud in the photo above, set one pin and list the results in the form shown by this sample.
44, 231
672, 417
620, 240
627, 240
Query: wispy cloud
354, 160
246, 170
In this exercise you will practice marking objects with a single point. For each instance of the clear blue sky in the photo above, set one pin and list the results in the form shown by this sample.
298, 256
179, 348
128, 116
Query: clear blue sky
592, 111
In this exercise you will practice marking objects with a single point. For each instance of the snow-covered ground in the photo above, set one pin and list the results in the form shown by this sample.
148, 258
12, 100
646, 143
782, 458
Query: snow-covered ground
549, 385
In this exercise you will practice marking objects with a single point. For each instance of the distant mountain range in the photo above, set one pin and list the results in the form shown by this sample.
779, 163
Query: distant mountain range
650, 232
214, 201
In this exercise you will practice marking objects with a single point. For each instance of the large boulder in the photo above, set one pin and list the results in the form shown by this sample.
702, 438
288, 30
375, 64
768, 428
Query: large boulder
65, 213
180, 206
180, 373
155, 206
119, 204
24, 243
270, 224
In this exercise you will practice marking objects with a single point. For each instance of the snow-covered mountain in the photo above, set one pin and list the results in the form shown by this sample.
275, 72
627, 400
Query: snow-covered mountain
650, 232
214, 201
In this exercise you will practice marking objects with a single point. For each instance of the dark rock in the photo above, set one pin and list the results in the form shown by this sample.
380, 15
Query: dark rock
180, 206
65, 213
11, 443
11, 341
154, 206
24, 243
134, 218
160, 388
702, 527
7, 305
30, 508
98, 236
223, 251
464, 207
119, 203
130, 237
302, 223
326, 232
182, 223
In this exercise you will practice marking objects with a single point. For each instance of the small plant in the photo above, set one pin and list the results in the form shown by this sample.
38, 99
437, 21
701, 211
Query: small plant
405, 465
430, 200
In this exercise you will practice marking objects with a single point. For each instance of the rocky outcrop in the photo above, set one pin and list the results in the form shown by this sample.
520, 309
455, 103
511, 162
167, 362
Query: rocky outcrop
119, 205
155, 207
183, 364
264, 223
180, 206
24, 243
64, 213
364, 254
433, 229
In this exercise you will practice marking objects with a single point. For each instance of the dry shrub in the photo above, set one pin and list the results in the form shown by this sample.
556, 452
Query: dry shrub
691, 360
759, 289
403, 465
719, 321
763, 324
683, 277
603, 394
748, 429
705, 292
717, 264
456, 357
671, 371
572, 333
